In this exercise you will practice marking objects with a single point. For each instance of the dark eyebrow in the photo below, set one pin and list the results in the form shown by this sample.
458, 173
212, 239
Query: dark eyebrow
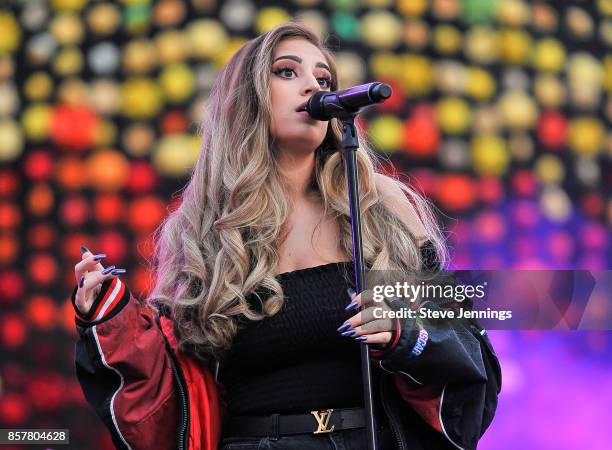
298, 60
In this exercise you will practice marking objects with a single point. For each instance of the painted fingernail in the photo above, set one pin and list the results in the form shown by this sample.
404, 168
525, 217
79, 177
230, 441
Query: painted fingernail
84, 249
119, 271
346, 325
350, 292
351, 305
107, 270
361, 338
99, 256
349, 332
81, 282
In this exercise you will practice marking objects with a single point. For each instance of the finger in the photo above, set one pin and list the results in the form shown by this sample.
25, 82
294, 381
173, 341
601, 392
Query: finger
364, 298
89, 263
369, 314
377, 338
90, 285
85, 252
376, 326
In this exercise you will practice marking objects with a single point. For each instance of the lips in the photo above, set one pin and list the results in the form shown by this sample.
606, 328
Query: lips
302, 107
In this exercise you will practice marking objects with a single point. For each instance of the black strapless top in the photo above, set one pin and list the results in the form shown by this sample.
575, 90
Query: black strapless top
296, 361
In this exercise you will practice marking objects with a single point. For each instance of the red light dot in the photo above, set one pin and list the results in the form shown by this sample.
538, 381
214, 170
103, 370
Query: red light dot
524, 182
74, 127
41, 312
11, 286
9, 248
491, 190
43, 269
143, 177
10, 216
9, 183
108, 208
456, 192
75, 211
13, 410
38, 165
424, 181
114, 245
421, 136
174, 122
552, 130
13, 331
146, 213
41, 236
593, 204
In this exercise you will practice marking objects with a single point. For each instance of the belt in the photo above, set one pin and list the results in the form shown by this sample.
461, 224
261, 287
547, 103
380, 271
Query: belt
322, 421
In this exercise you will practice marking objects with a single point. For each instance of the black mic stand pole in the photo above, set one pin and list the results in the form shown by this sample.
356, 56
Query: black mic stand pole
350, 143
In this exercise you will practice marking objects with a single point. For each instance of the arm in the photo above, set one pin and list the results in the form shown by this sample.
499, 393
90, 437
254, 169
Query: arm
447, 370
125, 371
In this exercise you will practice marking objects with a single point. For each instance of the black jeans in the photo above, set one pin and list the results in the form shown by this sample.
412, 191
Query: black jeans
354, 439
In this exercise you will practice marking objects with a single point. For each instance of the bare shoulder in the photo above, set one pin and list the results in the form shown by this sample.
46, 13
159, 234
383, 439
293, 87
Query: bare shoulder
397, 203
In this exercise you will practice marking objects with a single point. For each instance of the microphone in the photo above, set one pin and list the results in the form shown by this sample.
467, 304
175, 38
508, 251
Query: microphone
348, 102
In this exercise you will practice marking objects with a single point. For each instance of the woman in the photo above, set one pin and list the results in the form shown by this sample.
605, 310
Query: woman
249, 339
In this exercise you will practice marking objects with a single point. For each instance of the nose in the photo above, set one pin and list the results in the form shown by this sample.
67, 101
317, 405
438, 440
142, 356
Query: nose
311, 86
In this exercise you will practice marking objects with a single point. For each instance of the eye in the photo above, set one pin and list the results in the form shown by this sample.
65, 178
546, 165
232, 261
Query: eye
327, 81
284, 69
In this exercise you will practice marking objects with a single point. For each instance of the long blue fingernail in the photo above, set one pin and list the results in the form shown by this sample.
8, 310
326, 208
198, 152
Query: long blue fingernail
361, 338
350, 292
107, 270
118, 271
351, 305
344, 326
349, 332
81, 282
99, 256
83, 249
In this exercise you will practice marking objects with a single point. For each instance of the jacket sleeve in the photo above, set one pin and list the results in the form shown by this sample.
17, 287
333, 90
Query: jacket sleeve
447, 371
125, 371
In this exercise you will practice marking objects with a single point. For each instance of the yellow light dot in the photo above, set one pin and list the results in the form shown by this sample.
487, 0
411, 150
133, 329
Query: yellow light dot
416, 74
35, 121
207, 38
106, 134
38, 86
607, 75
108, 169
11, 140
381, 29
586, 135
515, 46
232, 46
139, 57
453, 115
176, 154
172, 46
447, 39
10, 35
482, 44
141, 98
67, 29
489, 155
518, 109
177, 82
268, 18
68, 5
68, 62
386, 132
549, 55
385, 65
412, 7
549, 169
480, 84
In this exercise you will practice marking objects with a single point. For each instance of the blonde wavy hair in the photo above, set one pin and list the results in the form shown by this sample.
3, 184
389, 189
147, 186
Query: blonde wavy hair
222, 243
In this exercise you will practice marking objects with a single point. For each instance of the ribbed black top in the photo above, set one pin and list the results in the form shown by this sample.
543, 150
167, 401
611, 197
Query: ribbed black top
296, 361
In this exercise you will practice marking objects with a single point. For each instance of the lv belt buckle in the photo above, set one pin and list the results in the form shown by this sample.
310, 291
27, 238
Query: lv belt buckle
323, 417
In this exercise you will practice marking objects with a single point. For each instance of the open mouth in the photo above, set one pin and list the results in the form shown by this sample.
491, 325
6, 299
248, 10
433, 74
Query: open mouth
302, 107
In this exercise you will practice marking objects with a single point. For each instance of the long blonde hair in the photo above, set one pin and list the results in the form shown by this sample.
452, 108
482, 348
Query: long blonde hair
222, 243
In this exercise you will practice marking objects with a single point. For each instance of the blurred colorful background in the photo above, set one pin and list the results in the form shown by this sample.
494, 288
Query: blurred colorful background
501, 116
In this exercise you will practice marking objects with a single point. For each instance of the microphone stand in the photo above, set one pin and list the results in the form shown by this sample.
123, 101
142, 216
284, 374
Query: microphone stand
350, 143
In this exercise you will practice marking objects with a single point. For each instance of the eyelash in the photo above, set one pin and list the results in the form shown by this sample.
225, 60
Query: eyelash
282, 69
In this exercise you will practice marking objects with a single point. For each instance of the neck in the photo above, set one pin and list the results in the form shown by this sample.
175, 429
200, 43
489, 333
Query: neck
297, 169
